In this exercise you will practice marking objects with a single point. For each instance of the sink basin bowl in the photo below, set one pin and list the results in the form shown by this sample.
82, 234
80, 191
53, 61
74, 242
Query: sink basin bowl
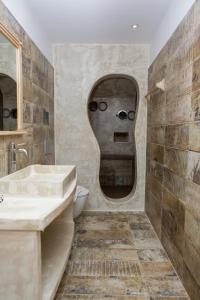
39, 180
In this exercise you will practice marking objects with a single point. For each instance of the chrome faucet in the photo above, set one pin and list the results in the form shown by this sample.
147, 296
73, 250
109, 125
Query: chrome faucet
13, 149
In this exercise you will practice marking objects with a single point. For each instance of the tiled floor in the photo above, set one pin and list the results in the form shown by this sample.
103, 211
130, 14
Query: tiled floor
118, 257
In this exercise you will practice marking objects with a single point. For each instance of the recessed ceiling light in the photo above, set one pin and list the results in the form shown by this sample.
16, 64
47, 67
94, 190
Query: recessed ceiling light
134, 26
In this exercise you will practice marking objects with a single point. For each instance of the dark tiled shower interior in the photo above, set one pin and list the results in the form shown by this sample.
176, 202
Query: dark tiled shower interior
115, 135
117, 256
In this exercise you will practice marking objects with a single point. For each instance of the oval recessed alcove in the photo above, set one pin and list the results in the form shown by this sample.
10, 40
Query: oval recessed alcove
115, 98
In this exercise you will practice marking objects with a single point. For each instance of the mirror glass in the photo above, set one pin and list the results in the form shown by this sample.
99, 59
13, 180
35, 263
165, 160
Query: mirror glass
8, 86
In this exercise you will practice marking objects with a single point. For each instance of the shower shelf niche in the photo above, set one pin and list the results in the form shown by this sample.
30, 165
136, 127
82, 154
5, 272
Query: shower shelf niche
121, 137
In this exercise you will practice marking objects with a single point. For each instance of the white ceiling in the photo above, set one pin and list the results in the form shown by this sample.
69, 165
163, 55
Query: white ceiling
99, 21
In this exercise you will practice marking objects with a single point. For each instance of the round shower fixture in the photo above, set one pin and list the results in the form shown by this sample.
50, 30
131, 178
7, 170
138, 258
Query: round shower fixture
131, 115
103, 106
122, 115
93, 106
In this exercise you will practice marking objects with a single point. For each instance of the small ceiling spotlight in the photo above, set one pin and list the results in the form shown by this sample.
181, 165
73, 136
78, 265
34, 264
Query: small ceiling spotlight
134, 26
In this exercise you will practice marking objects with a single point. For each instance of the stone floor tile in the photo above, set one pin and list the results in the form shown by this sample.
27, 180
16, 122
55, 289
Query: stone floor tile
107, 224
101, 297
103, 235
170, 298
143, 234
87, 254
148, 243
157, 269
165, 287
94, 218
157, 255
105, 286
117, 256
110, 244
103, 268
138, 218
141, 226
90, 254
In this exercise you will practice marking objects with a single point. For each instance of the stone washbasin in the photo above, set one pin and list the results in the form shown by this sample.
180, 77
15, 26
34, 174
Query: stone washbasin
38, 181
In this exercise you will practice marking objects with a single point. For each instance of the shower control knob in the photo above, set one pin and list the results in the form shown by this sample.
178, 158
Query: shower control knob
122, 115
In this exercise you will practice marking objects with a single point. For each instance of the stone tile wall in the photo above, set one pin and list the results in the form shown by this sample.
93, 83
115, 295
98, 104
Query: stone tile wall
173, 151
38, 97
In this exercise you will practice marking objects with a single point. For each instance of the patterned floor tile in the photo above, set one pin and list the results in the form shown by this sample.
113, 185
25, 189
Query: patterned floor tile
143, 234
103, 235
110, 244
101, 297
106, 286
103, 268
169, 298
165, 287
140, 226
93, 218
87, 254
156, 255
148, 243
117, 256
140, 218
157, 269
90, 254
91, 223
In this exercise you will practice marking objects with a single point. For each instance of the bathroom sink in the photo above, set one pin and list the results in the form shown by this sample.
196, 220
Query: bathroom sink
38, 180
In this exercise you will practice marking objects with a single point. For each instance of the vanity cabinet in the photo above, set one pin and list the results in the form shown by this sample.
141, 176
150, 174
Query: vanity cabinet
33, 262
56, 243
36, 233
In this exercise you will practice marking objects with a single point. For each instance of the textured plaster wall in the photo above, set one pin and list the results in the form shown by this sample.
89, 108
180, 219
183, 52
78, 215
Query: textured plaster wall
173, 155
77, 69
38, 96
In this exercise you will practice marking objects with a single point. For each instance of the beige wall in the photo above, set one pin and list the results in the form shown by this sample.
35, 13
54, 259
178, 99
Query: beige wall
173, 156
77, 68
38, 95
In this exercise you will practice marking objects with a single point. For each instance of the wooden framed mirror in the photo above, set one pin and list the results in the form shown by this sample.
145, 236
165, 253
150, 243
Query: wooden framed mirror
11, 99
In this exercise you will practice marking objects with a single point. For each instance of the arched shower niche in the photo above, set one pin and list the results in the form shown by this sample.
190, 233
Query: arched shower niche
112, 110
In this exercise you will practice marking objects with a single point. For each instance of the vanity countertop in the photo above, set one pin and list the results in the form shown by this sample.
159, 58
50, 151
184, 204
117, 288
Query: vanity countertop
35, 213
23, 213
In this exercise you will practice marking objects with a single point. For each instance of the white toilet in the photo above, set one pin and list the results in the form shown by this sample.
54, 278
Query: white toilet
80, 199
